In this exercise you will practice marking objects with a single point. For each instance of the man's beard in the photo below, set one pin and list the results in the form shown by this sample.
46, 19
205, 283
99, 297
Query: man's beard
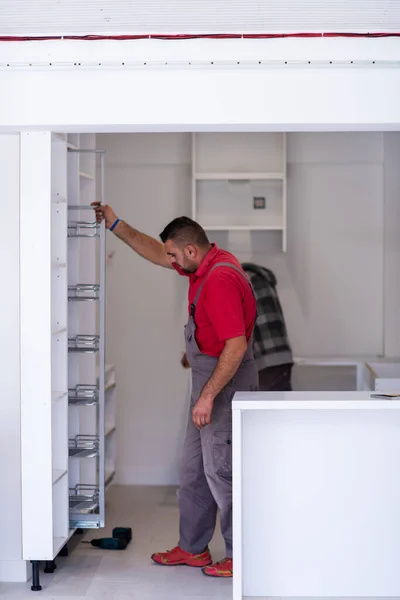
189, 270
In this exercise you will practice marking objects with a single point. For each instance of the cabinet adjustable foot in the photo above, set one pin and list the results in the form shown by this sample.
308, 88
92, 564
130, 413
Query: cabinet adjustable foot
50, 566
35, 587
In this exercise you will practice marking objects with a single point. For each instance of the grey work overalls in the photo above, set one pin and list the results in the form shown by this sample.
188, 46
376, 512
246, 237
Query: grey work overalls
206, 469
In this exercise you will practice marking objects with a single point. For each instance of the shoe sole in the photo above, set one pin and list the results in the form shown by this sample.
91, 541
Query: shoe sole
217, 576
182, 564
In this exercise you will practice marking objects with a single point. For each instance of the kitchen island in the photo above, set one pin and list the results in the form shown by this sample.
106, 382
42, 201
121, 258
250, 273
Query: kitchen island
316, 494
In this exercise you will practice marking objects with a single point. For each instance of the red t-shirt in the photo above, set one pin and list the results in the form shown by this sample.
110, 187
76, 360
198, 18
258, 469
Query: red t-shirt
226, 307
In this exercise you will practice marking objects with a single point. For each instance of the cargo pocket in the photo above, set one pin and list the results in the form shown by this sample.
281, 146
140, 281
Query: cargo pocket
228, 394
222, 454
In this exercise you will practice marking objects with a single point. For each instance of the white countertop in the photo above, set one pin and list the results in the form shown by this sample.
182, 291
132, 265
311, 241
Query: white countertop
311, 400
334, 360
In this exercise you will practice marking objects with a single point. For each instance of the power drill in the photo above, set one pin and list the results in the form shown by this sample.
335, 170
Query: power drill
108, 543
121, 536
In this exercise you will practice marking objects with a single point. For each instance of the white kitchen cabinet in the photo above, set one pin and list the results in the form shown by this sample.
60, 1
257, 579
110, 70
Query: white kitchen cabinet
316, 495
65, 419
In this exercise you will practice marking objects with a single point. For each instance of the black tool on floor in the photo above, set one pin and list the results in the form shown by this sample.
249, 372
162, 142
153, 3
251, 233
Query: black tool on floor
108, 543
121, 536
122, 533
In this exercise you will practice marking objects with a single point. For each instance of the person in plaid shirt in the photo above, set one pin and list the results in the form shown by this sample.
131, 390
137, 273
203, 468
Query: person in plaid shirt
271, 346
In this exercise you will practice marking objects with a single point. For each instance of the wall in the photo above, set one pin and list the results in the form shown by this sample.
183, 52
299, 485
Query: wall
330, 282
147, 182
392, 245
12, 568
335, 237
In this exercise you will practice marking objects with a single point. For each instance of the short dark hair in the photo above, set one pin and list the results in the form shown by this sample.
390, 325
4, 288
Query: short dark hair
182, 231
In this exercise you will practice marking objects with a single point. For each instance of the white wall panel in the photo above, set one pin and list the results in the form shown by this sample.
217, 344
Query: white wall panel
198, 99
12, 567
392, 245
147, 306
335, 257
63, 17
335, 148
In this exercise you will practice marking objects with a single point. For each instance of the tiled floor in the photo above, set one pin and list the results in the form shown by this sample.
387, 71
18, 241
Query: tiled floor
130, 574
89, 573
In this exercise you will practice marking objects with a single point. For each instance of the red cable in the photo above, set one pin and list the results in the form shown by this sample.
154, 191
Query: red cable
184, 36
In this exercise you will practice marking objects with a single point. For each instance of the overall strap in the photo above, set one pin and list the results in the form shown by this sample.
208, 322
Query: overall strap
220, 264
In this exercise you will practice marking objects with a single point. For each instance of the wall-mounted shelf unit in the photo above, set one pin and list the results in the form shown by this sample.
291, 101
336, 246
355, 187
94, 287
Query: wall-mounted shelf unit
66, 423
239, 182
240, 176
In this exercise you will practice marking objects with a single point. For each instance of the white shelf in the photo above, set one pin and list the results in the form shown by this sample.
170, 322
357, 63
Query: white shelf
109, 430
59, 136
239, 176
84, 175
73, 140
110, 386
109, 377
58, 474
58, 330
242, 227
109, 476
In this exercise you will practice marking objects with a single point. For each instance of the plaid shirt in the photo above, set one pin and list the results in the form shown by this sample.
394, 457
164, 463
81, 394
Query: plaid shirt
271, 342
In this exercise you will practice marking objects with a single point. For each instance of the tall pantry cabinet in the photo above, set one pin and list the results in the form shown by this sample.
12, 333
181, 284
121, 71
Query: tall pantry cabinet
67, 406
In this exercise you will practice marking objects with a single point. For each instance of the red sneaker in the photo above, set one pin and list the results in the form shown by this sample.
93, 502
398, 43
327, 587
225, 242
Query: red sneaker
177, 556
223, 568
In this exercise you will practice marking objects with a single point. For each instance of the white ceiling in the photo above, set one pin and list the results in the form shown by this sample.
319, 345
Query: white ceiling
80, 17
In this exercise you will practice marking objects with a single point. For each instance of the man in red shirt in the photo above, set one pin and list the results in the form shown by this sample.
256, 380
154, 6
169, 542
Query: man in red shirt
219, 350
